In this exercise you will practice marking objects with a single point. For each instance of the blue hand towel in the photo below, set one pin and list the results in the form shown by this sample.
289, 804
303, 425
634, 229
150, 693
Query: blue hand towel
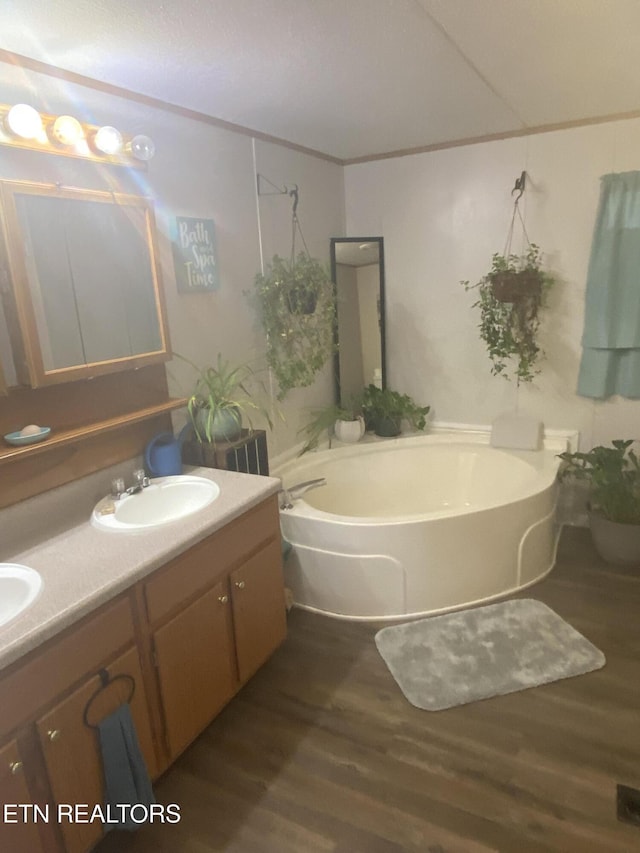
125, 772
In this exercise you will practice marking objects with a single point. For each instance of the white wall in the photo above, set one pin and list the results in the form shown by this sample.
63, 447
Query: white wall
443, 214
201, 171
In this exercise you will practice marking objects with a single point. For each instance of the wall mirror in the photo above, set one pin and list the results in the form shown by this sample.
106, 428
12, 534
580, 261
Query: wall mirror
357, 269
86, 296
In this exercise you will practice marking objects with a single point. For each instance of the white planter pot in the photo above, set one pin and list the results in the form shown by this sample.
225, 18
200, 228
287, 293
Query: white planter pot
349, 431
616, 543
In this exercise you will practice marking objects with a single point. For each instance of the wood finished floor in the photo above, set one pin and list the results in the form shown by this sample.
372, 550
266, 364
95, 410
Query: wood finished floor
321, 753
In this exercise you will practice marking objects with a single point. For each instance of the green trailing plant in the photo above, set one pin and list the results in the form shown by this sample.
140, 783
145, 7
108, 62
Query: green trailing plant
613, 476
224, 391
510, 298
382, 405
297, 309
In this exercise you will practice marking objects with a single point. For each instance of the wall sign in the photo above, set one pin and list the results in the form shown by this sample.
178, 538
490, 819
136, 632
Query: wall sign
194, 256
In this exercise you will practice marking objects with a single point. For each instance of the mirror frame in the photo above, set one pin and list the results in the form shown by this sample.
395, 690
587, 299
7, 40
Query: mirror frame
29, 348
383, 351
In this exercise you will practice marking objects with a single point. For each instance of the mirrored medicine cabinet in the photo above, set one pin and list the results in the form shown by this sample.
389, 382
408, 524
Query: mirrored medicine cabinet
80, 284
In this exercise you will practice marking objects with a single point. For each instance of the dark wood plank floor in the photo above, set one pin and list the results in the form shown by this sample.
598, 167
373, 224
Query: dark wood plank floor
321, 753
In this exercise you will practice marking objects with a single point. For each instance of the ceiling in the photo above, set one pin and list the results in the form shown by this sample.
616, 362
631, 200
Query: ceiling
351, 78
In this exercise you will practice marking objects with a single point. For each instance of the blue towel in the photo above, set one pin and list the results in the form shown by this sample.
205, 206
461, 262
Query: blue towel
125, 773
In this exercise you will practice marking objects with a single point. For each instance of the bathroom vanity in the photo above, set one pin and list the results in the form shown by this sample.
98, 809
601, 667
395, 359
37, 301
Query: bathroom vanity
190, 611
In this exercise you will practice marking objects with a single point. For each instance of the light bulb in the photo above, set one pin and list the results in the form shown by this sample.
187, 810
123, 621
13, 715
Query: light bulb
24, 121
108, 140
142, 148
67, 130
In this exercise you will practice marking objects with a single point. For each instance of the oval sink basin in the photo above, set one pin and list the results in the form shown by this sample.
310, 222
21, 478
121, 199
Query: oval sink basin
166, 499
19, 587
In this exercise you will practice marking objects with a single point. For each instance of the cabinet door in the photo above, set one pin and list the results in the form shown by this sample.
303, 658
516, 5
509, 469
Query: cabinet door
23, 835
72, 751
259, 614
196, 668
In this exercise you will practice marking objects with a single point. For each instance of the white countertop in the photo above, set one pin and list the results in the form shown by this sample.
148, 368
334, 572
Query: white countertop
83, 567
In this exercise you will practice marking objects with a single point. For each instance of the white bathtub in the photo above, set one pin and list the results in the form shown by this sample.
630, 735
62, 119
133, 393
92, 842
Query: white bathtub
419, 525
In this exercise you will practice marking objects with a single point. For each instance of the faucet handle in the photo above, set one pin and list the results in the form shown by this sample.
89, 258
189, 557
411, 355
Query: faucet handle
140, 478
117, 488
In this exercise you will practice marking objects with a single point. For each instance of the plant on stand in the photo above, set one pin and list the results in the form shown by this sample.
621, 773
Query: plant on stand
221, 397
613, 477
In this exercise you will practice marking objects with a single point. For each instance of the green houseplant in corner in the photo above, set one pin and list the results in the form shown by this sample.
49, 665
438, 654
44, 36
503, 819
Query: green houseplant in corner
510, 298
613, 477
384, 410
297, 308
346, 422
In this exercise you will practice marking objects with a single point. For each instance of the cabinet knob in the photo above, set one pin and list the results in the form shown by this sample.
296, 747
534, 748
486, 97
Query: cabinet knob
15, 767
223, 599
53, 734
240, 584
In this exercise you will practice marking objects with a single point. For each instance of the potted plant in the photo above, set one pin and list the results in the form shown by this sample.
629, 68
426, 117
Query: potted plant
298, 313
345, 422
220, 399
384, 410
510, 298
613, 477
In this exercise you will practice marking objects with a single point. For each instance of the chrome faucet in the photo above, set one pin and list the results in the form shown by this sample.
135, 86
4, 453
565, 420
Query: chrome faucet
141, 481
294, 492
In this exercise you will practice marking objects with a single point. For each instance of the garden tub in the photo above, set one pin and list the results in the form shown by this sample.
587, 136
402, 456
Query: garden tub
419, 525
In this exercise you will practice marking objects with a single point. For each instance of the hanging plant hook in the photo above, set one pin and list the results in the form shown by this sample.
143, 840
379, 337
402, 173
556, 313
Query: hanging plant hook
520, 186
294, 195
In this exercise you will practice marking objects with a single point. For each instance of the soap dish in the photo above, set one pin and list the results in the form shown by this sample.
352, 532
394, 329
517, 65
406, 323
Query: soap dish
16, 438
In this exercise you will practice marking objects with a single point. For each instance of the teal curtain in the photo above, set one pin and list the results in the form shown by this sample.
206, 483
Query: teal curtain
611, 340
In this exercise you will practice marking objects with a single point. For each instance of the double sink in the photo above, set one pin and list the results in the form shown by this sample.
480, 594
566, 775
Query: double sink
164, 500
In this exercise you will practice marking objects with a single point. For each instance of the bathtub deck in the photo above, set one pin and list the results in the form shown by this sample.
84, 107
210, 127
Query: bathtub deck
320, 752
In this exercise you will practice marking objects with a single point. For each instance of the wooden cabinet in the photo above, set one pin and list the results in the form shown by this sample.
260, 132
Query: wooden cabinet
196, 668
72, 750
19, 832
43, 698
259, 616
189, 636
220, 613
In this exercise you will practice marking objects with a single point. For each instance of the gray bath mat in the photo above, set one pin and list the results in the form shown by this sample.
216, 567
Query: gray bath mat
488, 651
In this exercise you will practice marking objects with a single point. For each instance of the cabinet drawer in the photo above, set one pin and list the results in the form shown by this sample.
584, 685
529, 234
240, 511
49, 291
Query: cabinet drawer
201, 566
48, 672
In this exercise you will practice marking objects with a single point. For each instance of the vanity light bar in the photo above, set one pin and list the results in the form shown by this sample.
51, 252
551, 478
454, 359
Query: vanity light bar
22, 126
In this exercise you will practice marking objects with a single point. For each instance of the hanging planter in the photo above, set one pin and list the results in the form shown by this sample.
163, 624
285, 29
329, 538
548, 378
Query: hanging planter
297, 307
510, 298
513, 285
